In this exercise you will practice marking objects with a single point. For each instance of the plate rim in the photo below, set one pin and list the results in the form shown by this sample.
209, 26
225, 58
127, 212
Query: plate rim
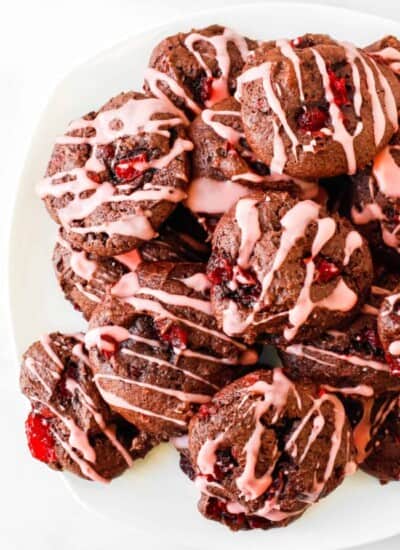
51, 93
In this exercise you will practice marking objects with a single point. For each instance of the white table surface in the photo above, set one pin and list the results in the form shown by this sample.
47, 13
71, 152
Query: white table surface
40, 41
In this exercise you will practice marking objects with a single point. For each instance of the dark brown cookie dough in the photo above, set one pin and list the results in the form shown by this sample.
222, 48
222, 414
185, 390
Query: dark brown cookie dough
197, 69
389, 329
383, 460
70, 427
375, 203
85, 277
284, 267
386, 50
224, 169
366, 412
265, 449
313, 107
351, 359
155, 348
117, 174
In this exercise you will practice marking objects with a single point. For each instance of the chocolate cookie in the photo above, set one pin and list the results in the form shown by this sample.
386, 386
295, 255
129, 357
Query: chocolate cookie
265, 449
314, 107
70, 427
375, 203
85, 278
387, 50
350, 360
117, 174
366, 412
383, 460
224, 167
197, 69
155, 348
286, 268
389, 329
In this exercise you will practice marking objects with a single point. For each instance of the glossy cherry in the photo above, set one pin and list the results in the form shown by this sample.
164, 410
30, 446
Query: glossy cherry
40, 440
130, 168
312, 119
325, 271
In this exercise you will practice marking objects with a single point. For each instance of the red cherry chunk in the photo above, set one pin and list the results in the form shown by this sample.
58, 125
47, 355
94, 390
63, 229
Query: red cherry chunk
176, 336
312, 119
325, 271
109, 347
394, 364
206, 89
302, 42
206, 410
338, 87
221, 273
40, 441
130, 168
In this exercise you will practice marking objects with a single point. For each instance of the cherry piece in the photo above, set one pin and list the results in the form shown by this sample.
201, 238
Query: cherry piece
130, 168
302, 42
338, 87
312, 119
40, 441
394, 364
203, 89
325, 271
176, 336
205, 411
111, 346
221, 273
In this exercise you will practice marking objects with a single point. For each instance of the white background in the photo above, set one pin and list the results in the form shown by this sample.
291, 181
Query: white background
40, 41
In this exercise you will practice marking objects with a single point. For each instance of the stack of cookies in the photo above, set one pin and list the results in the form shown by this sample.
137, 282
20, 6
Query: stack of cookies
247, 199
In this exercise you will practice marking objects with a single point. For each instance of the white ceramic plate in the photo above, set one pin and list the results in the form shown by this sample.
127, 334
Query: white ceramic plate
155, 496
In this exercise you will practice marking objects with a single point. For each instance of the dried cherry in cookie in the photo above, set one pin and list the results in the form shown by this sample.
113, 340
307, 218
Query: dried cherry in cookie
315, 107
156, 350
117, 174
70, 427
224, 167
268, 449
351, 359
197, 69
285, 268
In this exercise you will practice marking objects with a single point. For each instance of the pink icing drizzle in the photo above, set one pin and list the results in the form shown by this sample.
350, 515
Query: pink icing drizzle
247, 219
135, 116
391, 56
209, 196
129, 285
186, 397
224, 131
198, 282
154, 77
340, 133
316, 354
275, 397
387, 172
288, 51
219, 86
